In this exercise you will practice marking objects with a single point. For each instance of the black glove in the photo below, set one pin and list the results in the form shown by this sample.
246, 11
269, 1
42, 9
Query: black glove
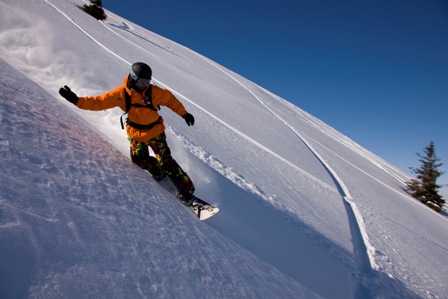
68, 94
189, 119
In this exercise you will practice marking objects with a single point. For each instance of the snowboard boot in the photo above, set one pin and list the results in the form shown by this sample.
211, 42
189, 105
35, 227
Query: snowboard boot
186, 198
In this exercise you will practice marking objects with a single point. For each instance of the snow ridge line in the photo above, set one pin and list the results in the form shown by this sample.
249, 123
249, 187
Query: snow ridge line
369, 156
131, 30
357, 226
364, 172
85, 32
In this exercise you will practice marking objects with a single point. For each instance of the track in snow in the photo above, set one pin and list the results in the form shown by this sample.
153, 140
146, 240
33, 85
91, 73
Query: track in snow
364, 259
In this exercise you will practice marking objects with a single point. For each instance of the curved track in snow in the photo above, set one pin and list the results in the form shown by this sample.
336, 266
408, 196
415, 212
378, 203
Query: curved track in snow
364, 252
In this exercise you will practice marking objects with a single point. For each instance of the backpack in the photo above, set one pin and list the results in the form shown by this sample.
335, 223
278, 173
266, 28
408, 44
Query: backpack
129, 104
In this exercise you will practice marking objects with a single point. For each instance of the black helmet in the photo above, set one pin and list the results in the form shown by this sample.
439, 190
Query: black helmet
140, 70
140, 74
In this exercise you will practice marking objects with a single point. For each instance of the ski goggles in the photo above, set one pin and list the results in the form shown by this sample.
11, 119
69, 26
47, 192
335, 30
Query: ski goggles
141, 82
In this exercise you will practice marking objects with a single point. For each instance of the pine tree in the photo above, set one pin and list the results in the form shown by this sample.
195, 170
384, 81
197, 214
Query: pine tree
95, 9
425, 187
97, 2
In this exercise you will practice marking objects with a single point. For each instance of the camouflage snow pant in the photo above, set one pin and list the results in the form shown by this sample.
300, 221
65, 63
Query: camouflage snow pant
163, 164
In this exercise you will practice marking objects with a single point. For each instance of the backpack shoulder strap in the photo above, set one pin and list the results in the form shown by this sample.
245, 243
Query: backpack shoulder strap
149, 99
127, 99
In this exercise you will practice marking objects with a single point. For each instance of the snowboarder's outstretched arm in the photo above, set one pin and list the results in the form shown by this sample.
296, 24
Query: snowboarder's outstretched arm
115, 98
110, 99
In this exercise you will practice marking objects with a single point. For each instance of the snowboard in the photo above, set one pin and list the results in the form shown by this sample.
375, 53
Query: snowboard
202, 209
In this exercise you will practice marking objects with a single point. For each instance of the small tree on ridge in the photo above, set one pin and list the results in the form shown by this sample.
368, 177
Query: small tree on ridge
95, 9
425, 187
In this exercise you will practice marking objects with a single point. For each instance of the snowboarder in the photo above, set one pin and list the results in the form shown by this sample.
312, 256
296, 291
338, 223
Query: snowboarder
144, 126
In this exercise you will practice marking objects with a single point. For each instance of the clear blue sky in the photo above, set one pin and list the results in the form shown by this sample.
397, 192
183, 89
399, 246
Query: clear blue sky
377, 71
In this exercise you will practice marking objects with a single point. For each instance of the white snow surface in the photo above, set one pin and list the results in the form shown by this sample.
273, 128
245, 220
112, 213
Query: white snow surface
305, 211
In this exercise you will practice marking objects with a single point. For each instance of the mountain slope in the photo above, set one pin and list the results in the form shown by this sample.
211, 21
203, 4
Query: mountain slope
315, 210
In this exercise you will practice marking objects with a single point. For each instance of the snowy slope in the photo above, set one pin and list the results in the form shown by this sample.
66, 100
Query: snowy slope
305, 211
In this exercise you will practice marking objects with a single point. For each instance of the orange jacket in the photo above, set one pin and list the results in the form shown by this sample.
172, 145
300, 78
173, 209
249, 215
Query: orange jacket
139, 115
